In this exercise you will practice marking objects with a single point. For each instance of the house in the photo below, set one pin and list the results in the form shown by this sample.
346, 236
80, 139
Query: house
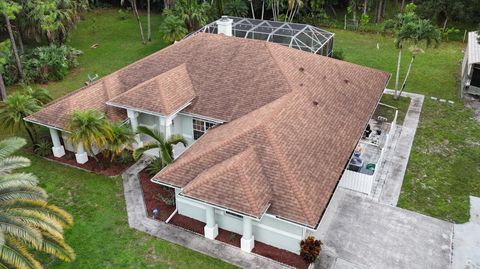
471, 66
271, 129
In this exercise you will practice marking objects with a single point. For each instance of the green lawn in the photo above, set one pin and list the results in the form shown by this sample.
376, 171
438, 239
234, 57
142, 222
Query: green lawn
101, 236
443, 169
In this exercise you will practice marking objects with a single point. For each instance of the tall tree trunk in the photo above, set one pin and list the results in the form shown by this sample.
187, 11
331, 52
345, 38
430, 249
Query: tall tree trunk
365, 7
445, 23
14, 46
397, 77
149, 30
263, 8
20, 41
135, 10
251, 6
402, 7
407, 75
3, 89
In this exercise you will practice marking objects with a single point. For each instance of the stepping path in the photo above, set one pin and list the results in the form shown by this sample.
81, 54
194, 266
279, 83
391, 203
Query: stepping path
138, 219
397, 164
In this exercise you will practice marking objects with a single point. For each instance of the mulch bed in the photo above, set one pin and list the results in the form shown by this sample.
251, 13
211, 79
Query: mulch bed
151, 192
107, 169
233, 239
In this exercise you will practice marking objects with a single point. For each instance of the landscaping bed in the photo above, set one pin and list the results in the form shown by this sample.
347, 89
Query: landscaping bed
280, 255
103, 167
151, 196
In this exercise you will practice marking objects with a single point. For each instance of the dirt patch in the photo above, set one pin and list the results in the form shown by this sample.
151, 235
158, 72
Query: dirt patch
280, 255
474, 103
152, 195
103, 167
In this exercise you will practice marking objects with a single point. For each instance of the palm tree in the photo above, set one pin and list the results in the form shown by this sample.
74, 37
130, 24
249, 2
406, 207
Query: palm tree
426, 32
164, 146
29, 222
191, 12
149, 28
122, 137
408, 27
172, 29
89, 128
20, 105
16, 107
8, 10
237, 8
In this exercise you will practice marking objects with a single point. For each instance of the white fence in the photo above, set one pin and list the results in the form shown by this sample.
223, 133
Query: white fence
362, 182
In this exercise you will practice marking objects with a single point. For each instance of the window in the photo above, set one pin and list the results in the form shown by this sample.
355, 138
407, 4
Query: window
200, 127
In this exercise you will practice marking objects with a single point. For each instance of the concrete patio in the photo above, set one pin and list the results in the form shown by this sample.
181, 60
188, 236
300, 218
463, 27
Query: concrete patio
358, 232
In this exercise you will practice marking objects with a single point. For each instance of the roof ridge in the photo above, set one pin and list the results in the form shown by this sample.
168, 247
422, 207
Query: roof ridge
112, 74
250, 191
283, 163
268, 45
231, 165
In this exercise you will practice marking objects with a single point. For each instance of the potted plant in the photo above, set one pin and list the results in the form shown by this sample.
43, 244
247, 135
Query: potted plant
309, 250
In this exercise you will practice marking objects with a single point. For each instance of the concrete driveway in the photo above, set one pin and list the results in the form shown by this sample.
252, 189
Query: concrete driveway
358, 232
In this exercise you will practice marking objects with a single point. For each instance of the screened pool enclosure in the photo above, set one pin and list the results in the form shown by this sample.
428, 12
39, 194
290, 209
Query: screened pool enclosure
295, 35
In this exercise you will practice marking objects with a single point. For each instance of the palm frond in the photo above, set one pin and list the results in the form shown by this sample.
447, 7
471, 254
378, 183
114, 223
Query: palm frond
7, 165
17, 179
137, 153
11, 145
176, 138
22, 249
14, 258
57, 247
17, 229
158, 136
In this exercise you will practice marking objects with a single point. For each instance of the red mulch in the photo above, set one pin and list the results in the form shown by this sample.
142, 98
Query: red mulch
187, 223
280, 255
109, 168
231, 238
150, 196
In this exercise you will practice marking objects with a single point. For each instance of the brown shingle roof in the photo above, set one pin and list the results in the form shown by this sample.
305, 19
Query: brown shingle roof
302, 115
303, 139
163, 94
237, 183
220, 70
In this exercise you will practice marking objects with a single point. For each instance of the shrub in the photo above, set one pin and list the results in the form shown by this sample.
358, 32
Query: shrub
44, 148
167, 199
310, 249
125, 157
43, 64
155, 166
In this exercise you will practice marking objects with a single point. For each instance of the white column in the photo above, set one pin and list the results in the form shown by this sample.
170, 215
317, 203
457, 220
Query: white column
168, 128
247, 242
133, 116
211, 229
81, 156
58, 149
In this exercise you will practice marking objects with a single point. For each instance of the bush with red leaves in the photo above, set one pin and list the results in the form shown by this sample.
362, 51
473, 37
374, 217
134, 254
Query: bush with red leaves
310, 249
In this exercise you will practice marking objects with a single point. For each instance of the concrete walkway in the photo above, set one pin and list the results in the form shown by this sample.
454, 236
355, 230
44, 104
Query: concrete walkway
466, 239
358, 232
392, 179
137, 219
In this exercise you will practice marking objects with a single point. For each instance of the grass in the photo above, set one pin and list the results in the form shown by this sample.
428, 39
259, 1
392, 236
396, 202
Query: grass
100, 236
444, 165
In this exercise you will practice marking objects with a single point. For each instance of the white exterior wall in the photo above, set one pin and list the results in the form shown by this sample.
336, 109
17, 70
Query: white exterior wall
269, 230
181, 125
